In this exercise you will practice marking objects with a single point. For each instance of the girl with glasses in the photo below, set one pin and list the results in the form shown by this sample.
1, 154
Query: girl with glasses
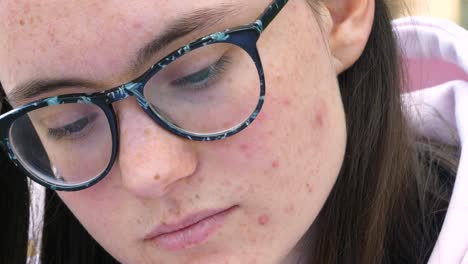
227, 132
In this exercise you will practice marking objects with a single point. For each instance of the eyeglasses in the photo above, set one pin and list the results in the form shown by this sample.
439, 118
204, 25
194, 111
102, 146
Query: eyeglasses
207, 90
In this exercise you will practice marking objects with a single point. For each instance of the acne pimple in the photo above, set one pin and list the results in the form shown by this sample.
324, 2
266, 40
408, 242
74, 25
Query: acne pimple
263, 220
286, 102
261, 117
319, 119
137, 25
275, 164
244, 147
157, 177
21, 22
309, 187
320, 111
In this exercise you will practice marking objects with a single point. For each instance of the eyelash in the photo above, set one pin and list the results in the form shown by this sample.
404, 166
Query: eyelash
215, 70
70, 129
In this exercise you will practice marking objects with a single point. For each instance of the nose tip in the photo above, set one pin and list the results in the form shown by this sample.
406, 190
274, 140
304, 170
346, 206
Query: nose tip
153, 176
152, 160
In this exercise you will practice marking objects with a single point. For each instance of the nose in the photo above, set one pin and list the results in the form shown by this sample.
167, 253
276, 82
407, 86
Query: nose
151, 159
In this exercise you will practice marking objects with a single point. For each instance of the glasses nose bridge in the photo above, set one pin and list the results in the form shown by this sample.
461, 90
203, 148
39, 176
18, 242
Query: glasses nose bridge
127, 90
134, 89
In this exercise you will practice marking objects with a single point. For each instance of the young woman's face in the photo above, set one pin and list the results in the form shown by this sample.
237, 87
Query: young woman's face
260, 189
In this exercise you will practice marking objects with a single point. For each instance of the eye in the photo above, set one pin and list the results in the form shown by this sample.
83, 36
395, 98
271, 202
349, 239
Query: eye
203, 78
73, 129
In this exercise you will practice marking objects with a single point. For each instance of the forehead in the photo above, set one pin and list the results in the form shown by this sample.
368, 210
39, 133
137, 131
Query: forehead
96, 39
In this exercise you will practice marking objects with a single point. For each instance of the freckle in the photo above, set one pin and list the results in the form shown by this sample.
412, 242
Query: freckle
253, 239
197, 196
139, 156
146, 131
275, 164
174, 211
289, 209
157, 177
263, 220
21, 22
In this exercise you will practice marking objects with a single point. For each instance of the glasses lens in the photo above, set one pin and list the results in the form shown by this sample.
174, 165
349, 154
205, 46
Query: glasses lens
65, 144
208, 90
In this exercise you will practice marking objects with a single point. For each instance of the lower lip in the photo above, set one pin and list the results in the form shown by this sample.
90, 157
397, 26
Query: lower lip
192, 235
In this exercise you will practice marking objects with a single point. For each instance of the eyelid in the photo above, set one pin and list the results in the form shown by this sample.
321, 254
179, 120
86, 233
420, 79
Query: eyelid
214, 68
78, 111
59, 132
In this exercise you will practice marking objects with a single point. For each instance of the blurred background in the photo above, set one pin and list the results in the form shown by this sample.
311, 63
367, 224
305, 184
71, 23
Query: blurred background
455, 10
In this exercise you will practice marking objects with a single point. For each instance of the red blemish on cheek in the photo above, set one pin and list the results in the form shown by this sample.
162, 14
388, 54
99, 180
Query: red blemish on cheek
244, 147
263, 220
286, 102
319, 119
320, 114
261, 117
137, 25
275, 164
309, 187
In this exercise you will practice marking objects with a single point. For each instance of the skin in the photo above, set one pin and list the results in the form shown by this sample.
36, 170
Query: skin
278, 172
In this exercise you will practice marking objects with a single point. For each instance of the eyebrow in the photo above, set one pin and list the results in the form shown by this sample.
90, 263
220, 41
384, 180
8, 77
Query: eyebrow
195, 21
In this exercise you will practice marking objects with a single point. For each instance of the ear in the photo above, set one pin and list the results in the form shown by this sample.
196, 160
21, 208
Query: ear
351, 25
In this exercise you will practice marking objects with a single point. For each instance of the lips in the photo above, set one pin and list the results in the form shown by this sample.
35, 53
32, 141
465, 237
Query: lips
189, 231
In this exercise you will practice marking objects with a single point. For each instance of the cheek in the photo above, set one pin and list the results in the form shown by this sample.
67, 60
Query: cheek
276, 145
98, 207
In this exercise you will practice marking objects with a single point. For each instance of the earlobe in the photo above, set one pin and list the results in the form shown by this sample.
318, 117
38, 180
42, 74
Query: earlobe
351, 25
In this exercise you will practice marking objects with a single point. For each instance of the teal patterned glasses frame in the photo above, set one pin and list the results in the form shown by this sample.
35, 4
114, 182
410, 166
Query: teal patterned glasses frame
207, 90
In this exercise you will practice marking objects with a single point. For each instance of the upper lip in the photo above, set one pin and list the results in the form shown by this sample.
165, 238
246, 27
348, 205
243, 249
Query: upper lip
185, 222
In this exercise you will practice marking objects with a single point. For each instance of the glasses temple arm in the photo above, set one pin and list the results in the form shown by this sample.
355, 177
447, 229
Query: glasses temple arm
270, 13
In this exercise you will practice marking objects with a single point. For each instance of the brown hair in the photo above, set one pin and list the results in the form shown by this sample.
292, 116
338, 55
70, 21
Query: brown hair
393, 190
387, 205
